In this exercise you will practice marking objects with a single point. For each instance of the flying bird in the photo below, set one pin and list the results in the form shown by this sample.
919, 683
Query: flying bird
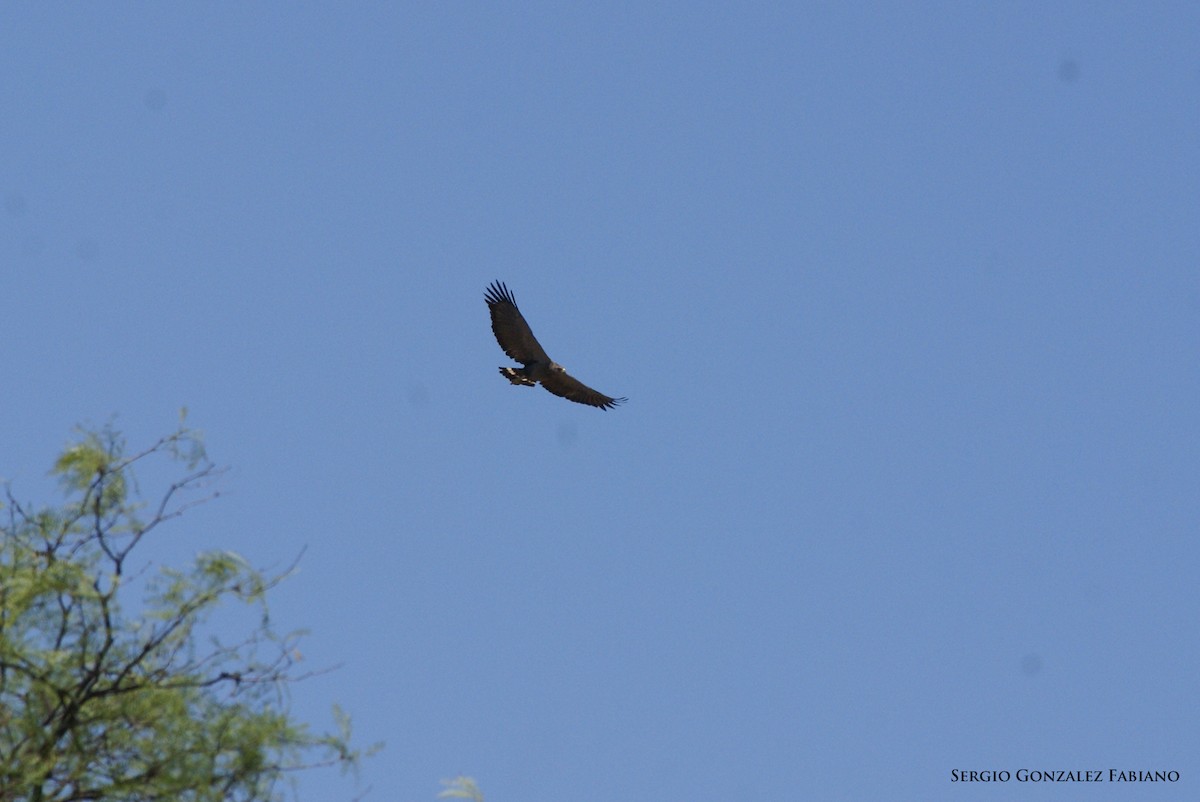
517, 340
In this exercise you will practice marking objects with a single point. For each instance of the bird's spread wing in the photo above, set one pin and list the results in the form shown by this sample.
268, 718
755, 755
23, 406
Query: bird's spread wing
560, 383
510, 328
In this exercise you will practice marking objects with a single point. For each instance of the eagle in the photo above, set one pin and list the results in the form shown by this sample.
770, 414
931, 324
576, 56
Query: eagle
517, 340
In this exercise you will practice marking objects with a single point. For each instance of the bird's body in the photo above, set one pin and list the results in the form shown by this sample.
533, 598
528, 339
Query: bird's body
517, 340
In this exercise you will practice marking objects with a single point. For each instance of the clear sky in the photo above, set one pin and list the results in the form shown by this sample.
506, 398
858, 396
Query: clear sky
904, 297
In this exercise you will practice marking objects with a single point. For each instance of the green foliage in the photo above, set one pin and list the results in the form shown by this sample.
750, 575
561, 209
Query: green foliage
97, 703
461, 787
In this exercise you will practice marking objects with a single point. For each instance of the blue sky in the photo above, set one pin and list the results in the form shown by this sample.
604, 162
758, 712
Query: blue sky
904, 298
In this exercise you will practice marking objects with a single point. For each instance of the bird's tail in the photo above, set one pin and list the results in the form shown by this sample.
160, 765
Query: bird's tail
516, 377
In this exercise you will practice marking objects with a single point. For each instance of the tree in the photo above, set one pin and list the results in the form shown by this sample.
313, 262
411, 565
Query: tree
98, 703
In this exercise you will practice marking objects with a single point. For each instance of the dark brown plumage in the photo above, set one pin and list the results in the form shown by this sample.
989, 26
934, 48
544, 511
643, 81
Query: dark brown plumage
517, 340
